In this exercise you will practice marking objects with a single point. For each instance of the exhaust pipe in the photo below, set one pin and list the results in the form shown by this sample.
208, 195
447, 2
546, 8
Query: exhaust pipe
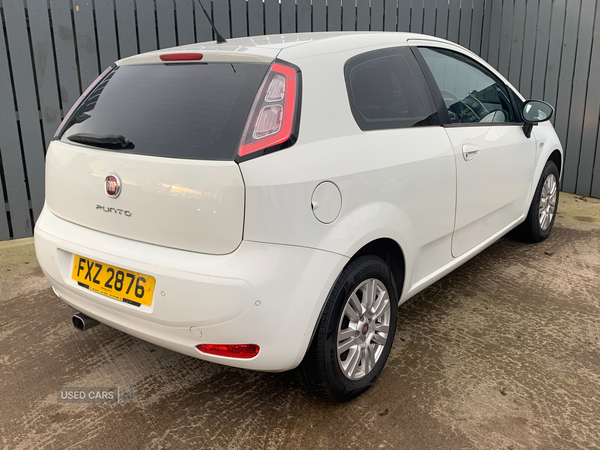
83, 322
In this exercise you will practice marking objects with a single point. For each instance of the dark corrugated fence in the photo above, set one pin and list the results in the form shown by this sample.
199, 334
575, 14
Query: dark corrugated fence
51, 50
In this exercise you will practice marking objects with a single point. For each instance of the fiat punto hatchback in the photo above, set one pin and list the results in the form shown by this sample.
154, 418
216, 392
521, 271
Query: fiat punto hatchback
268, 202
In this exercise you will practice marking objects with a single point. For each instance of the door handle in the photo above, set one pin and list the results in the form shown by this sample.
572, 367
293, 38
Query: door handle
470, 152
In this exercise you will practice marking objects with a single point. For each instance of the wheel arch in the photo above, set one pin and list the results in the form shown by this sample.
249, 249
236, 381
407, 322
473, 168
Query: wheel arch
556, 158
391, 252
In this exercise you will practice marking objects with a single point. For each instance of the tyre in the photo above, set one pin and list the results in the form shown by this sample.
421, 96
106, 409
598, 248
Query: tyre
355, 333
542, 212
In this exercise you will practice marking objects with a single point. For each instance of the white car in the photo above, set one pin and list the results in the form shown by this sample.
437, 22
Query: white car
268, 202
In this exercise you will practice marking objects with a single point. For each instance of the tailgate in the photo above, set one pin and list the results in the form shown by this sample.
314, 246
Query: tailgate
194, 205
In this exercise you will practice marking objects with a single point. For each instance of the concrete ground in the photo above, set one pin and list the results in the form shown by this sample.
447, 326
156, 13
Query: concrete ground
504, 353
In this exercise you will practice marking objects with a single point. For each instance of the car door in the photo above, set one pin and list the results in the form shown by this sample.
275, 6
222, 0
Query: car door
393, 106
494, 158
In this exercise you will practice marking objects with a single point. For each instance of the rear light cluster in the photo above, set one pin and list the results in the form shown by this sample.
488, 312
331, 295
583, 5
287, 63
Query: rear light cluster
243, 351
181, 57
271, 118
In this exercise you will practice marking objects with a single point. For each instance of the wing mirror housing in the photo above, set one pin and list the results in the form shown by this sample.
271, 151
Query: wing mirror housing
534, 112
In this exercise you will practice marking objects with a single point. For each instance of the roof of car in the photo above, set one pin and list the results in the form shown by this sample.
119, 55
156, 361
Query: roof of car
266, 47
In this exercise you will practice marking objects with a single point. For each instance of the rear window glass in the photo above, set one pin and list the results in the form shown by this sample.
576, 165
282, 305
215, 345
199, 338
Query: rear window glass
193, 111
387, 90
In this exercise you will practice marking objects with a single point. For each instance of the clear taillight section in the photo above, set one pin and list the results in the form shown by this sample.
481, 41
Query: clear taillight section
271, 118
82, 98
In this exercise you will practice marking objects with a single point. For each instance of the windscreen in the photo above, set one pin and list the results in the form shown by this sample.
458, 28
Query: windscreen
192, 111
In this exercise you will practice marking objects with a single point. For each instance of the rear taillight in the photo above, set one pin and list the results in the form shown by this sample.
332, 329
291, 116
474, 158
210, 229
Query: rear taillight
82, 98
271, 119
243, 351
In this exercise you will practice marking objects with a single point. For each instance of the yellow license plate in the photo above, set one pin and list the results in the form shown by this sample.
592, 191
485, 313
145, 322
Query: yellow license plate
123, 285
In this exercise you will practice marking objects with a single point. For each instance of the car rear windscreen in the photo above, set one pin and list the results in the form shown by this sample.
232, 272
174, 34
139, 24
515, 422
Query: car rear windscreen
192, 111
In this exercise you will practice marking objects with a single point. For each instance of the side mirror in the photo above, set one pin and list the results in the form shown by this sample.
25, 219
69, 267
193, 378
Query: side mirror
534, 112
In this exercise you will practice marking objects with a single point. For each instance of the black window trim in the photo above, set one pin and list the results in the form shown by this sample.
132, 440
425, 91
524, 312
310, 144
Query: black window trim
388, 51
439, 99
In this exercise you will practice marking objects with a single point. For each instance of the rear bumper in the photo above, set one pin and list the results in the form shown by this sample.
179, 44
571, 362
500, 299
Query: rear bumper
265, 294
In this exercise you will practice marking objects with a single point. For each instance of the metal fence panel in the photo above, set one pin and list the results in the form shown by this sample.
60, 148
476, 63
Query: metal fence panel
25, 90
45, 70
256, 12
429, 17
453, 20
304, 16
493, 53
376, 15
588, 177
288, 16
542, 39
528, 48
64, 47
416, 16
403, 15
554, 51
362, 16
565, 84
485, 32
106, 32
272, 16
204, 31
517, 44
578, 94
334, 15
13, 173
390, 15
349, 15
165, 19
476, 27
87, 50
239, 24
464, 34
146, 25
441, 20
128, 43
184, 12
506, 28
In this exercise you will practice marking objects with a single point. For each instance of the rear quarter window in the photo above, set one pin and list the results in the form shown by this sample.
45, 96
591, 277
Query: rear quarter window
386, 89
192, 111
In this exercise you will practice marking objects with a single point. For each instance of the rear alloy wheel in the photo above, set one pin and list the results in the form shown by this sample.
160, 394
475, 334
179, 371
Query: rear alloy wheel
355, 334
542, 212
363, 329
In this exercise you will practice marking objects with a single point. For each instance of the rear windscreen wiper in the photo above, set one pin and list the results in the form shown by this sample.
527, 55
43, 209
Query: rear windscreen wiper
101, 140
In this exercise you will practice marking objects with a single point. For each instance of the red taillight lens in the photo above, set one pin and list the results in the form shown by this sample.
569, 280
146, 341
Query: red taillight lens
243, 351
271, 118
181, 57
81, 99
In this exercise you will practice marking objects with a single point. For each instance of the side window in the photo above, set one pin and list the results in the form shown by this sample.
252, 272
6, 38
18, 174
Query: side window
386, 89
472, 93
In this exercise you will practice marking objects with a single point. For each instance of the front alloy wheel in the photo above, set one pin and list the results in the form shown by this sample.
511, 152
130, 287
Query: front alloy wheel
542, 212
548, 199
